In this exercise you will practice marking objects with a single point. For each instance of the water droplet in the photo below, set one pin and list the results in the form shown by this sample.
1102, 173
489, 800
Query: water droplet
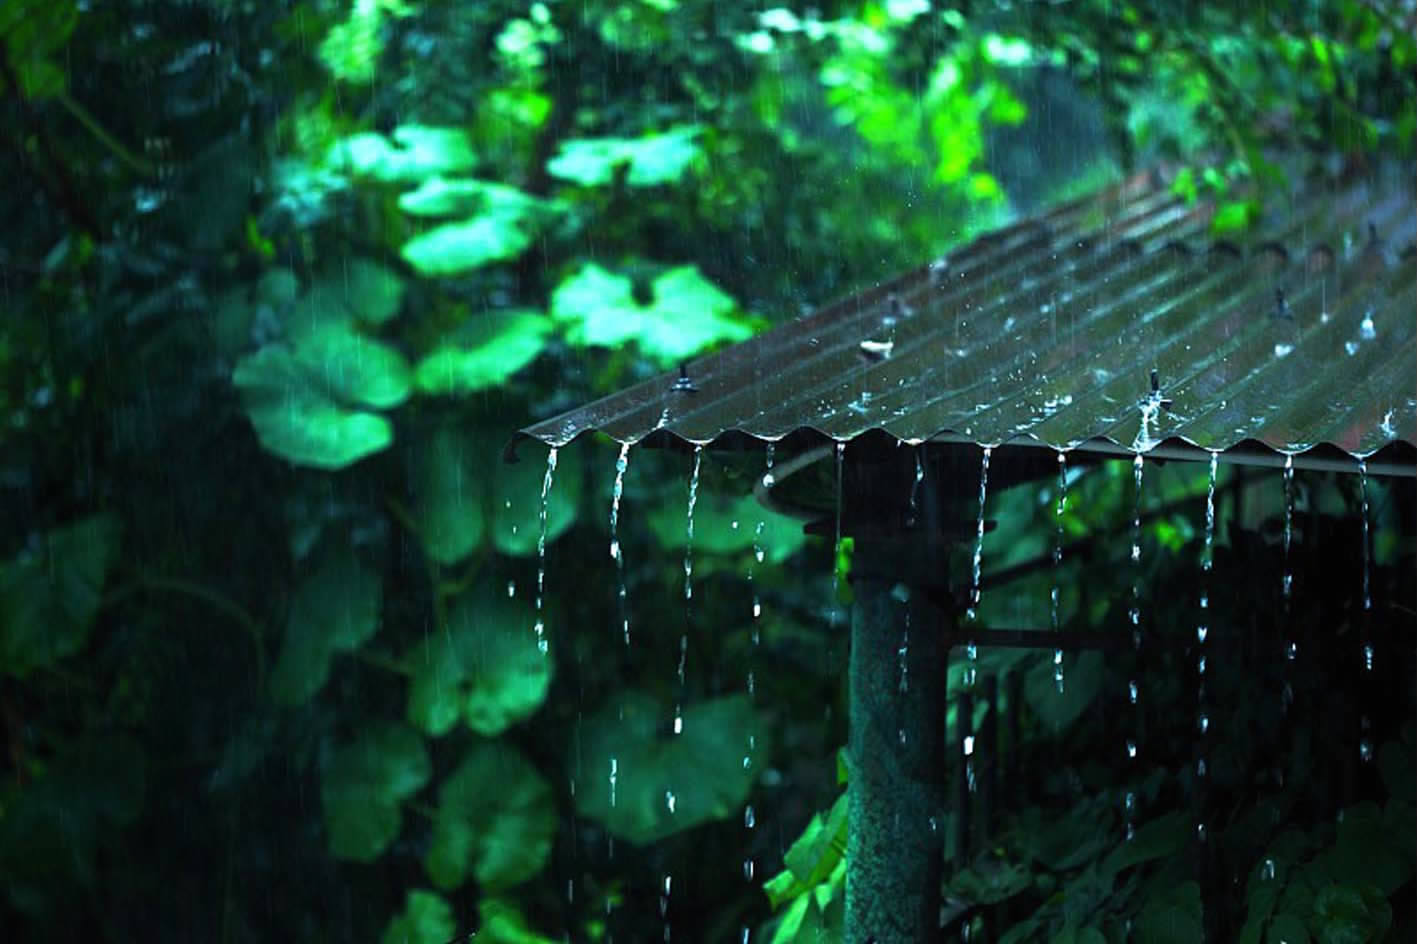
749, 817
1350, 347
1366, 329
1131, 749
1283, 350
1203, 724
1267, 870
748, 869
1292, 652
1201, 632
968, 745
1365, 750
1368, 657
1132, 692
511, 589
669, 803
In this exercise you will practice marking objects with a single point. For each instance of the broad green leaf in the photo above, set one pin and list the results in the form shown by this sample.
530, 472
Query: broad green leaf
50, 592
416, 153
725, 524
425, 919
502, 923
1174, 917
492, 347
495, 823
1081, 683
450, 494
293, 396
598, 308
1367, 853
462, 196
991, 881
32, 33
58, 826
353, 368
654, 158
687, 314
373, 292
486, 668
364, 785
1160, 838
516, 499
1234, 216
454, 248
352, 48
1287, 929
335, 609
814, 856
1349, 914
665, 783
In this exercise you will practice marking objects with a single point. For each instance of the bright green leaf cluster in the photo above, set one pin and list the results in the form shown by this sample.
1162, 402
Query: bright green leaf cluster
688, 313
653, 159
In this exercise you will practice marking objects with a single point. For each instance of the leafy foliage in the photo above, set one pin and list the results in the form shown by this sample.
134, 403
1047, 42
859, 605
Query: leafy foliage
283, 279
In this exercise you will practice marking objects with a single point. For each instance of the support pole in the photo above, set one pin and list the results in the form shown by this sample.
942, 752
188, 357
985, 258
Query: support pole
897, 786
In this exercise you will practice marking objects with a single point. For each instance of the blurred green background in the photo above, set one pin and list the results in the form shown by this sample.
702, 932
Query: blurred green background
281, 279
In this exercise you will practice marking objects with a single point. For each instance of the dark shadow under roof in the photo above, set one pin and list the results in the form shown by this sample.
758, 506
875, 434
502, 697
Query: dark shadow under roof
1114, 324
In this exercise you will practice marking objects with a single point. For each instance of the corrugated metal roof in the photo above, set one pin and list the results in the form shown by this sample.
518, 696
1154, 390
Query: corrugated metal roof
1054, 330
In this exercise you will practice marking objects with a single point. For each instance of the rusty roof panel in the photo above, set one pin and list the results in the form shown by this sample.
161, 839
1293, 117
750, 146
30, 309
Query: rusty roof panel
1049, 332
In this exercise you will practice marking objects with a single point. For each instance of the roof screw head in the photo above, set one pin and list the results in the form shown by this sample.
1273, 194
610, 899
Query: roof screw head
683, 384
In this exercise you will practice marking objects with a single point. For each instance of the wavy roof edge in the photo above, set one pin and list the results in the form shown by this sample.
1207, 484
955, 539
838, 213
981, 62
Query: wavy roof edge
1254, 341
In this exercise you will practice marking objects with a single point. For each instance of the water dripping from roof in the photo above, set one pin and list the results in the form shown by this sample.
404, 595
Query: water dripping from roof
1287, 583
1134, 616
1058, 564
689, 524
622, 462
1365, 744
972, 614
1202, 628
836, 547
541, 643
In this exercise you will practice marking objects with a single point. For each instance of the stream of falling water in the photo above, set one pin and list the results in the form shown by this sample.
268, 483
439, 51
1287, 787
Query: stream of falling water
688, 584
616, 552
1203, 627
1287, 584
836, 546
541, 643
1134, 616
749, 815
1365, 744
971, 649
1058, 564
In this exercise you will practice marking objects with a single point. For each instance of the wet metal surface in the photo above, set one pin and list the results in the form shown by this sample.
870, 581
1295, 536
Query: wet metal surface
1116, 323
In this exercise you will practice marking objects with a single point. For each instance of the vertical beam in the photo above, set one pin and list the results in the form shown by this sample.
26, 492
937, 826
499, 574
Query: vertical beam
897, 788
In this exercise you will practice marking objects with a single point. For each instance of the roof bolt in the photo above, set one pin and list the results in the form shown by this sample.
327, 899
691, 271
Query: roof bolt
684, 384
1281, 306
1163, 402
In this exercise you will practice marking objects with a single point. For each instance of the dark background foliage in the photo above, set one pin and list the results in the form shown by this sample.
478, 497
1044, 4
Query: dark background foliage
279, 281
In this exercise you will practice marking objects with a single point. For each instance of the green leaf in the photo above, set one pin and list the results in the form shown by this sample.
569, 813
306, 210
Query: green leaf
491, 348
50, 593
454, 248
32, 33
1345, 914
516, 499
1160, 838
502, 923
496, 820
487, 668
296, 396
665, 782
450, 494
353, 368
1234, 216
1367, 853
1287, 929
425, 919
727, 524
417, 152
688, 313
989, 882
1173, 917
462, 196
335, 609
1081, 684
653, 158
364, 785
822, 845
373, 292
